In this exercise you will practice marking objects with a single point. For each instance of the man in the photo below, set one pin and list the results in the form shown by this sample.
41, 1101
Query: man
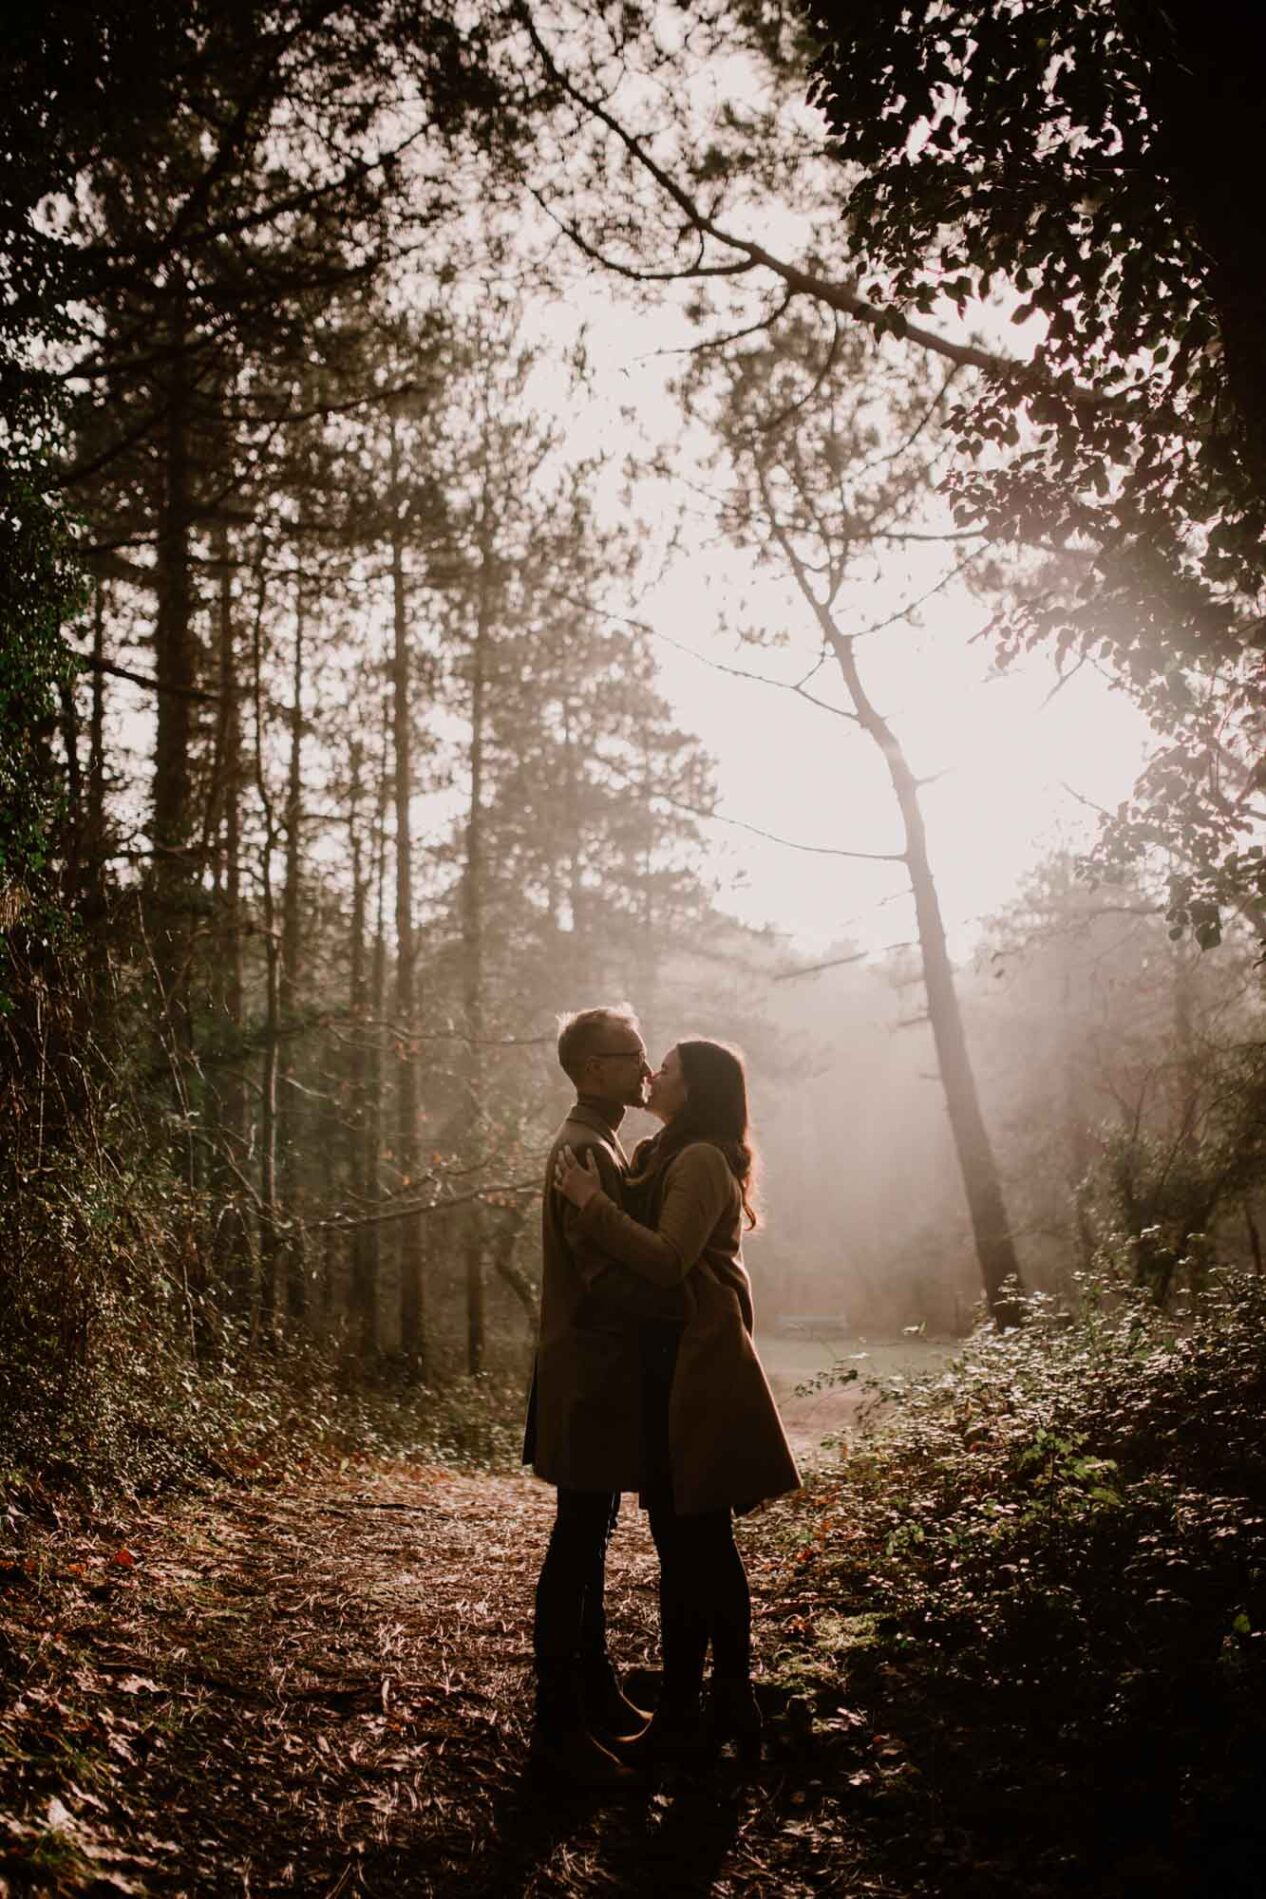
584, 1430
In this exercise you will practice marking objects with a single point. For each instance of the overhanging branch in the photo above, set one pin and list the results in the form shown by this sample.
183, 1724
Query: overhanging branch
841, 297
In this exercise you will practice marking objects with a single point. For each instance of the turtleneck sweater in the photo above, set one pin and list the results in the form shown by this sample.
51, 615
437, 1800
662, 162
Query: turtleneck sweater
611, 1112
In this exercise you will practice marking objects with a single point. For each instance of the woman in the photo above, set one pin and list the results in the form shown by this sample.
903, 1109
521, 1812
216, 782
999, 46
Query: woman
712, 1437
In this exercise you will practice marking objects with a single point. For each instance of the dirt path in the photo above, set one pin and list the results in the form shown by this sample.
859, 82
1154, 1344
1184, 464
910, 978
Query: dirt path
325, 1690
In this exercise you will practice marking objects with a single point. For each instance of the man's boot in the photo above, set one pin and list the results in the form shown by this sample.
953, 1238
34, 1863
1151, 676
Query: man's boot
608, 1712
676, 1731
563, 1750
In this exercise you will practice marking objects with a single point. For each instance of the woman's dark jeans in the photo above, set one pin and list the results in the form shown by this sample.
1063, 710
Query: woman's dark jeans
703, 1592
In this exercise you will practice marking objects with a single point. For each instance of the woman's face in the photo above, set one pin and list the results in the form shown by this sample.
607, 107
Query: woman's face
667, 1093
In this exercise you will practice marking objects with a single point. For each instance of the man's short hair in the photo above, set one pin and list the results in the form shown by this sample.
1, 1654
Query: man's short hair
583, 1034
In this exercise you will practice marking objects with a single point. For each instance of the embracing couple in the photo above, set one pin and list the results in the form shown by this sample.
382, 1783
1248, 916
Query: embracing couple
647, 1380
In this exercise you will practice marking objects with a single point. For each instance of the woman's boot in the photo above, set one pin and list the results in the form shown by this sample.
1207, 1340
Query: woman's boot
734, 1715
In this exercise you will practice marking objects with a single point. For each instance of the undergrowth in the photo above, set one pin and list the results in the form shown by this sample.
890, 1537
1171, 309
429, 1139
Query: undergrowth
116, 1376
1048, 1564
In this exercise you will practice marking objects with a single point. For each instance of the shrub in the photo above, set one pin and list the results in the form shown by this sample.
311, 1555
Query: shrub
1062, 1540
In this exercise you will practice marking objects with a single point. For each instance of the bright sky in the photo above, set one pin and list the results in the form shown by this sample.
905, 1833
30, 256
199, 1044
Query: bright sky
1012, 762
1013, 765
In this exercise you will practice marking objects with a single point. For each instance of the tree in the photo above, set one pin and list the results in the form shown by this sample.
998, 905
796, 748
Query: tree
1133, 1127
806, 422
1098, 163
175, 233
413, 1339
550, 705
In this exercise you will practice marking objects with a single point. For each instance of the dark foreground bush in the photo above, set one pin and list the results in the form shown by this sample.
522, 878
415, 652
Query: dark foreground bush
1049, 1564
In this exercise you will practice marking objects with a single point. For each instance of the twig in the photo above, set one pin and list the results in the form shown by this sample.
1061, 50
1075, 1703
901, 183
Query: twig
90, 665
812, 969
406, 1210
771, 837
1089, 803
841, 297
1061, 682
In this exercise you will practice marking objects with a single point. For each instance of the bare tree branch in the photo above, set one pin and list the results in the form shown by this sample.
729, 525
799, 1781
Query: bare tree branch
408, 1209
841, 297
90, 665
813, 969
741, 824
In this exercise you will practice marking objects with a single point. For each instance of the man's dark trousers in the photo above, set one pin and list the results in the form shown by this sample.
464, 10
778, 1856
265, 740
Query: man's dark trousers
570, 1635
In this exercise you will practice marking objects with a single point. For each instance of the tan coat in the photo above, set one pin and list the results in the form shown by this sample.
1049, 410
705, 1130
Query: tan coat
584, 1424
726, 1443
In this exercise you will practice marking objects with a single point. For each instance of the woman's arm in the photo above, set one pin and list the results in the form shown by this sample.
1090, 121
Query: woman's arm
698, 1188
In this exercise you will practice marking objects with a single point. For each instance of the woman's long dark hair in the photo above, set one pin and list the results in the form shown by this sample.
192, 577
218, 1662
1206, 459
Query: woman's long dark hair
715, 1110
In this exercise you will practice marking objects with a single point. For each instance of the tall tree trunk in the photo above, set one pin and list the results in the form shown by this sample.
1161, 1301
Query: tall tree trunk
370, 1238
289, 1118
95, 840
413, 1339
572, 836
236, 1109
1078, 1144
69, 722
1197, 1212
357, 1012
982, 1184
269, 1206
648, 939
364, 1287
1186, 1075
513, 1223
95, 822
577, 969
269, 1219
174, 670
227, 1108
472, 913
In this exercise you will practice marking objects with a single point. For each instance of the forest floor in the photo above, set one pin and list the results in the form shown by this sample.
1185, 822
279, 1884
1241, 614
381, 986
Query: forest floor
319, 1683
323, 1687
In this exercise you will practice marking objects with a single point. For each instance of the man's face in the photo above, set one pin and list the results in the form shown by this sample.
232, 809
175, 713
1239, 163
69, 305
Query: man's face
619, 1071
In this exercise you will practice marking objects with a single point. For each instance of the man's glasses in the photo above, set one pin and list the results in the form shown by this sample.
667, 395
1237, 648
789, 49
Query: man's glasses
617, 1055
